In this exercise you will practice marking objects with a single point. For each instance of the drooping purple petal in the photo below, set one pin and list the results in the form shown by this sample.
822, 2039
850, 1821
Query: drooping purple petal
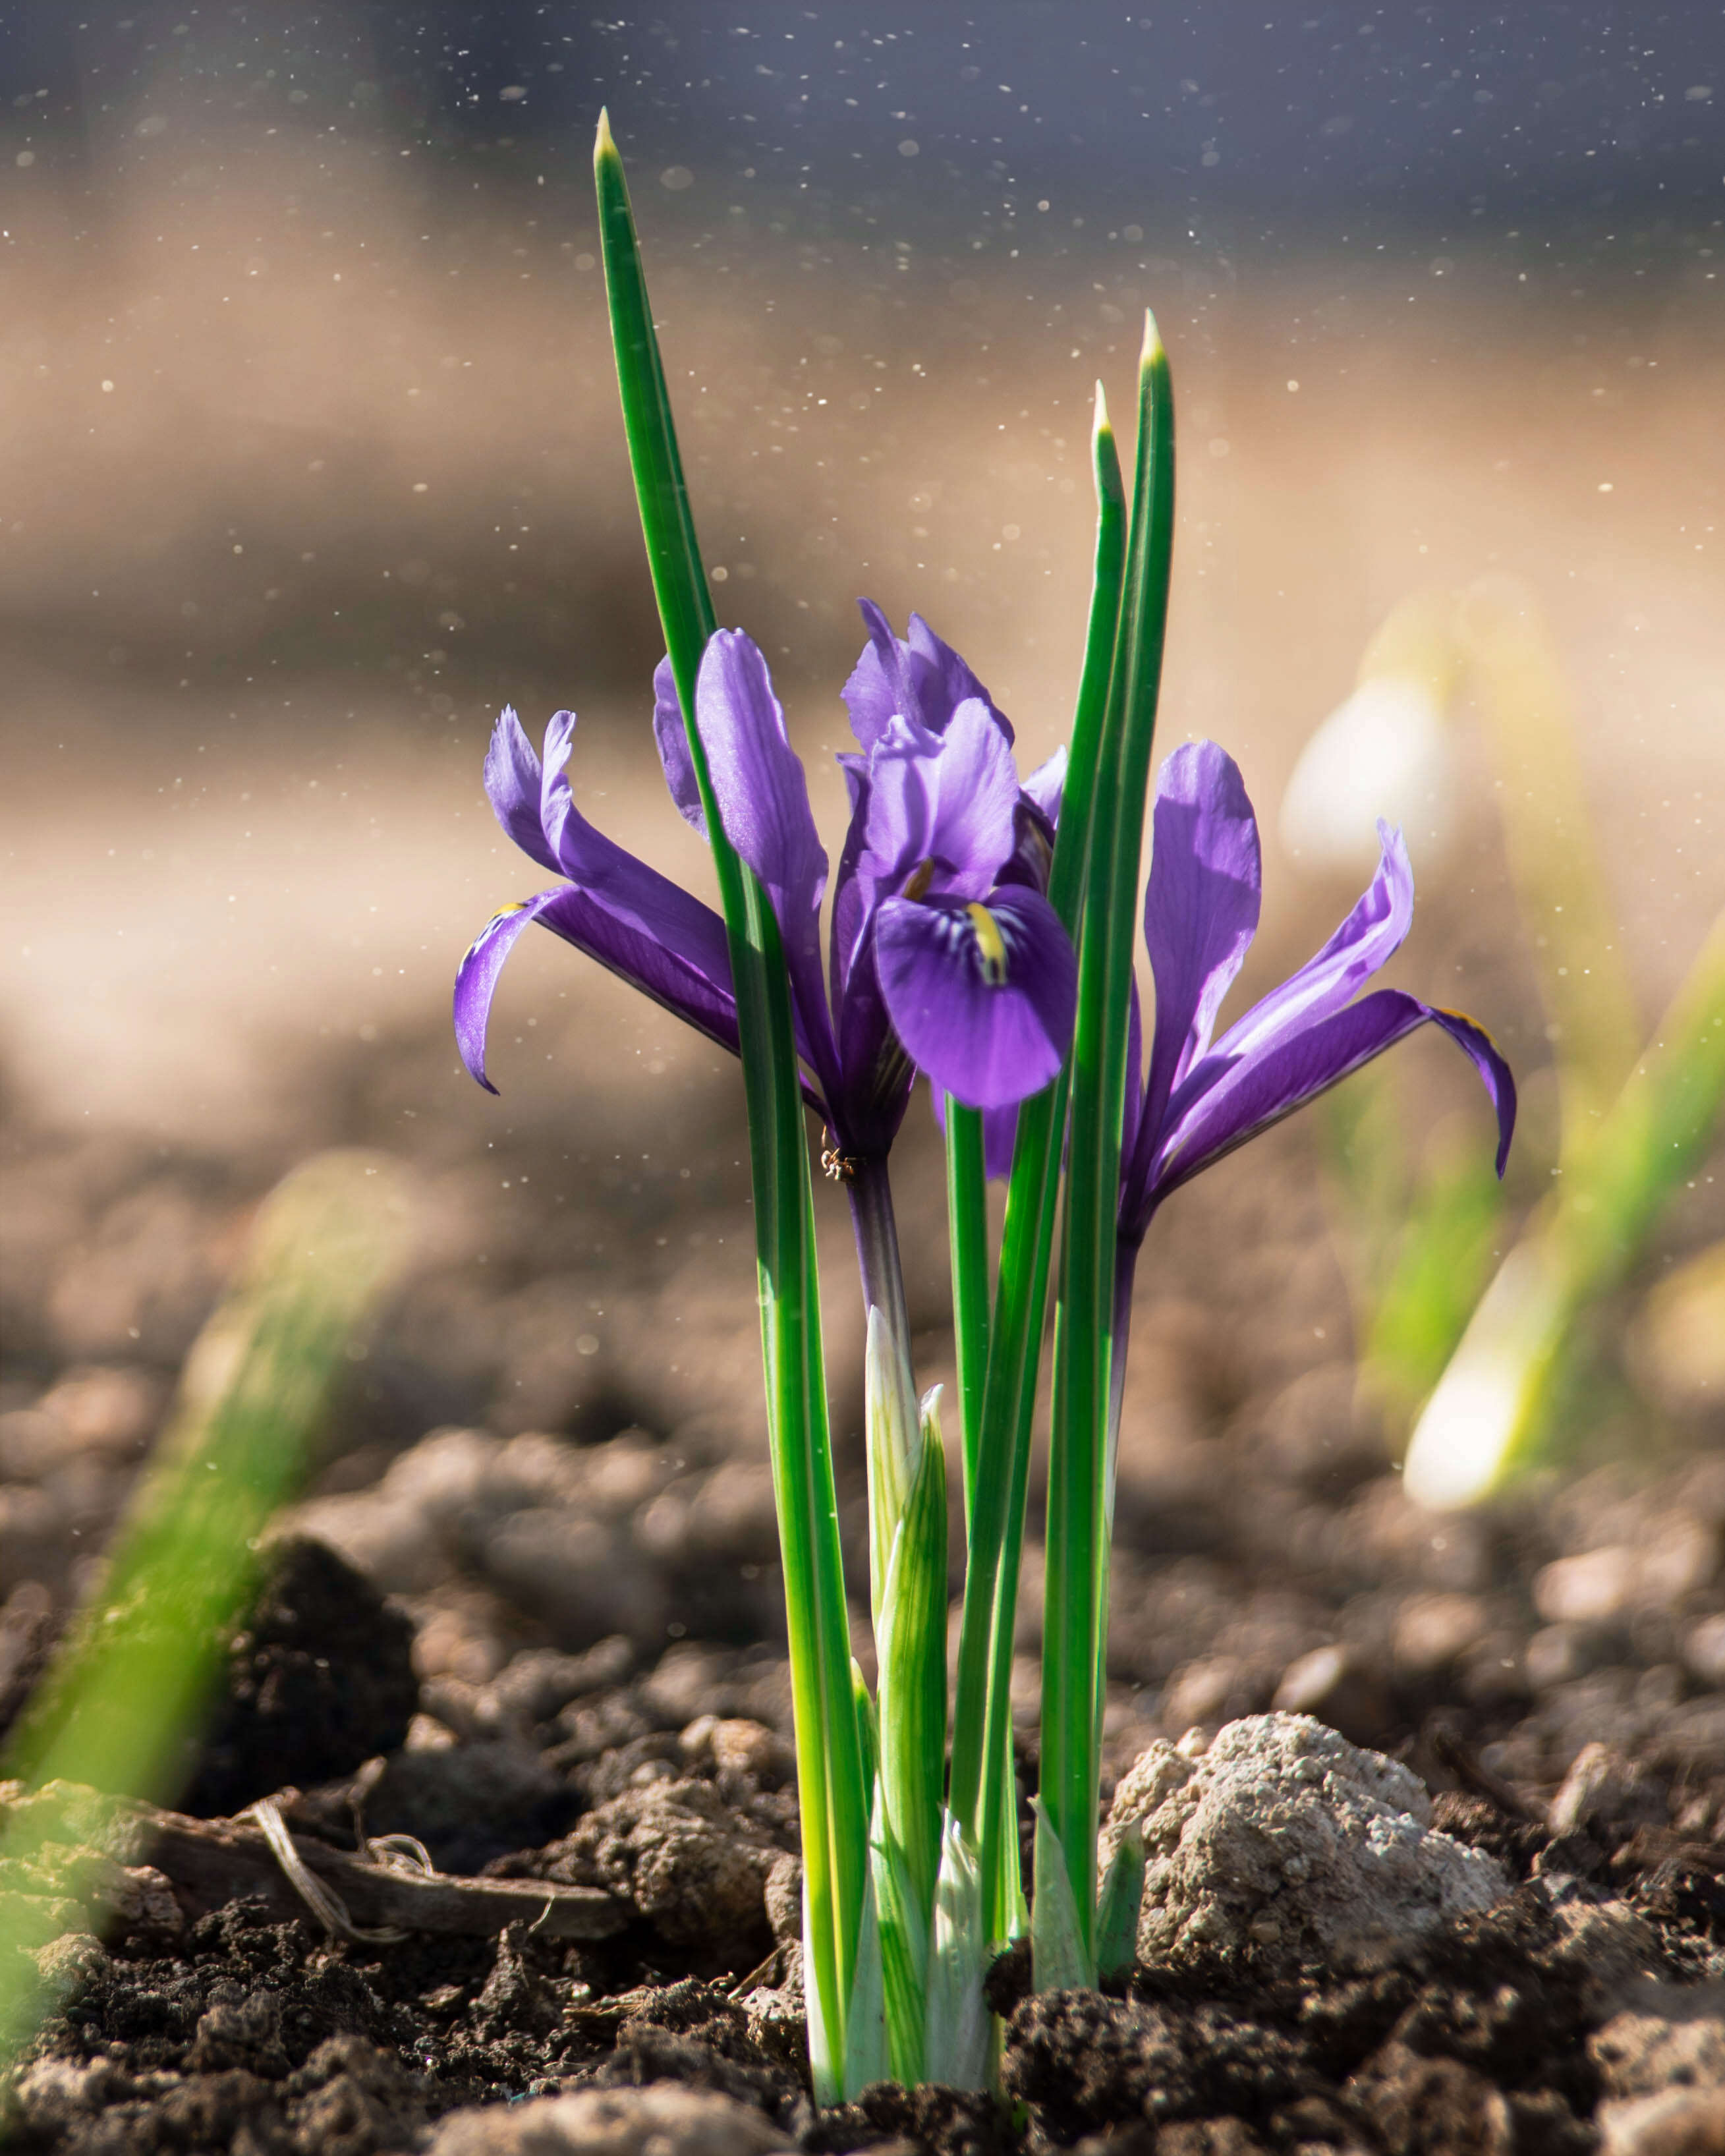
1228, 1099
1366, 941
672, 737
704, 1001
946, 799
637, 897
512, 782
982, 997
762, 797
1200, 909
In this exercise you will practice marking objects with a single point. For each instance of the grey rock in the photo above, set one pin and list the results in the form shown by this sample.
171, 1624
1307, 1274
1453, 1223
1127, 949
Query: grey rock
1604, 1789
694, 1867
1676, 2123
663, 2120
1339, 1685
1284, 1840
1672, 2036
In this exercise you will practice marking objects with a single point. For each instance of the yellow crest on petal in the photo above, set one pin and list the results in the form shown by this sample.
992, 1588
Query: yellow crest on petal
990, 943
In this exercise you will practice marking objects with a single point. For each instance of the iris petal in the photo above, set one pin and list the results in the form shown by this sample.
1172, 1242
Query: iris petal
672, 737
922, 680
1200, 909
984, 1005
701, 999
1230, 1099
1366, 941
948, 799
762, 797
512, 782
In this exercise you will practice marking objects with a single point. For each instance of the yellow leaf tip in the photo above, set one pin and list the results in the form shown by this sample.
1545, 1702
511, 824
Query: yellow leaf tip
1101, 423
1153, 348
604, 144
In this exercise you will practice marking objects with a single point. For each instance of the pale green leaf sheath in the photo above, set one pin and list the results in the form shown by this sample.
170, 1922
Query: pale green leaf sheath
912, 1648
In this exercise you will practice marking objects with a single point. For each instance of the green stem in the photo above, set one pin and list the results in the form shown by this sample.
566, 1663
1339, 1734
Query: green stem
968, 1239
980, 1790
832, 1793
1077, 1557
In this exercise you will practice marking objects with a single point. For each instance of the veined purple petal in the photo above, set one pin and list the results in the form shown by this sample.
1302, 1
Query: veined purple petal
1367, 940
947, 799
1231, 1099
703, 1000
762, 797
512, 781
982, 997
1033, 841
1201, 908
672, 736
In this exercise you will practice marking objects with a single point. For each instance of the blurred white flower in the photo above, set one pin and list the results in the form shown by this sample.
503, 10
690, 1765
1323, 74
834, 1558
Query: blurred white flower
1385, 751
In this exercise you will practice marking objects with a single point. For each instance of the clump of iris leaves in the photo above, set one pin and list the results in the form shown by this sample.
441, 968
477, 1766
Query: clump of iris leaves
981, 933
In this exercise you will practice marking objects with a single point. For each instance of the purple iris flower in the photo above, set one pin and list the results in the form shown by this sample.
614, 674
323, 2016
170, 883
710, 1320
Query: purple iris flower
1202, 1098
943, 954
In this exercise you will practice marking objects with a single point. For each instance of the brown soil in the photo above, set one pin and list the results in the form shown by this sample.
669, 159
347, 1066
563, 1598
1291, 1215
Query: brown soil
563, 1640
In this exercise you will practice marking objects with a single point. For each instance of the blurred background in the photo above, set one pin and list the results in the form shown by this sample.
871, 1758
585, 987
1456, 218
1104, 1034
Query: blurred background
309, 460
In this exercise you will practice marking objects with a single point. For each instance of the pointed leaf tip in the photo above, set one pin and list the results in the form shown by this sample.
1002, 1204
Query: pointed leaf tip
1153, 348
1099, 424
604, 144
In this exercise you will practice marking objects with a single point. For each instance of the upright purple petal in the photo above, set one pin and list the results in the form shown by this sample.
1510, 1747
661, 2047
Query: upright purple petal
704, 1001
1366, 941
948, 800
877, 690
923, 680
1228, 1100
982, 997
1201, 908
512, 782
556, 804
672, 736
941, 681
762, 797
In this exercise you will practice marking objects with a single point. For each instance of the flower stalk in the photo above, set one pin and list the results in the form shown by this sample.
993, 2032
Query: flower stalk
1074, 1642
834, 1801
981, 933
